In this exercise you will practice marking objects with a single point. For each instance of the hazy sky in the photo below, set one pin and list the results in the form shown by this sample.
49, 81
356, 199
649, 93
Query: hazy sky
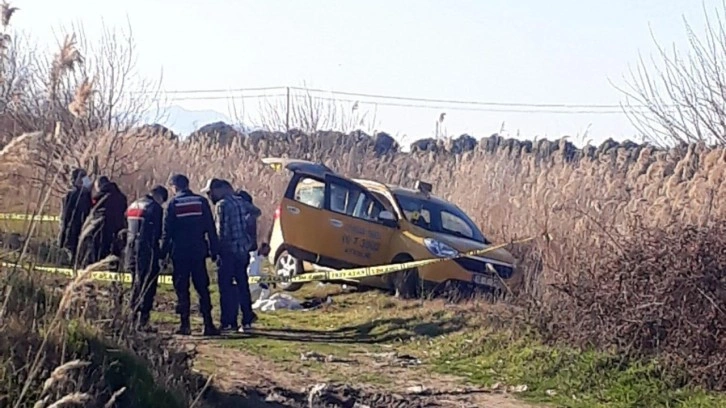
526, 51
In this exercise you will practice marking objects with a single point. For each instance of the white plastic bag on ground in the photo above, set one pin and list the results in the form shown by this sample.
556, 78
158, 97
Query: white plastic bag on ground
257, 291
278, 301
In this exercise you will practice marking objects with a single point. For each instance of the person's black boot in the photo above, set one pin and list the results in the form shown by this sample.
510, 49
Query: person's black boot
144, 323
185, 328
209, 328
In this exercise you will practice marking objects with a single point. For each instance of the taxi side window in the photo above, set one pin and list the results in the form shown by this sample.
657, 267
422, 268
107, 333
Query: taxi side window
343, 199
353, 202
367, 208
310, 192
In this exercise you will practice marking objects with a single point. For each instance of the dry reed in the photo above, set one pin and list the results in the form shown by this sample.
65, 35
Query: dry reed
79, 106
115, 396
74, 399
59, 375
6, 13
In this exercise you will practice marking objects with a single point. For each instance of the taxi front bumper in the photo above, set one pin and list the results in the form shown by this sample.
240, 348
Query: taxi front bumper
473, 272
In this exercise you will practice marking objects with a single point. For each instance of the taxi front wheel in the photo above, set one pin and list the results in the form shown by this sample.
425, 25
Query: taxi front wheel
287, 266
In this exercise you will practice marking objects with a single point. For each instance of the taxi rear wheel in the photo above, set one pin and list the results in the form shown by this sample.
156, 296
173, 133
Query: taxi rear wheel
407, 284
287, 266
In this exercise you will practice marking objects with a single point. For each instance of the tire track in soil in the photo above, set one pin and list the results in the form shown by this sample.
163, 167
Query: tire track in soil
250, 380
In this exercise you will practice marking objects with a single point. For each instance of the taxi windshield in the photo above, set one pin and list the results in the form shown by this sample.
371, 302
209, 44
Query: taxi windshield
439, 217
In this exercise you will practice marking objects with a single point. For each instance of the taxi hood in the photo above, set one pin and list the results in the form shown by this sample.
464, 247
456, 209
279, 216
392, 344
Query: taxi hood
465, 245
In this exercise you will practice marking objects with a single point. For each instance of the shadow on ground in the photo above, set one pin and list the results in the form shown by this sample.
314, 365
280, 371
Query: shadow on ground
374, 332
323, 395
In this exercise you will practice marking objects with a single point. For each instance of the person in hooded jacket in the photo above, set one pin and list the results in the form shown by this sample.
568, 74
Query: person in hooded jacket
251, 221
75, 208
109, 204
235, 244
145, 223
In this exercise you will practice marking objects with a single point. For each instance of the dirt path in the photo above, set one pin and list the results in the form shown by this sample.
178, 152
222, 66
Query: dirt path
406, 383
360, 350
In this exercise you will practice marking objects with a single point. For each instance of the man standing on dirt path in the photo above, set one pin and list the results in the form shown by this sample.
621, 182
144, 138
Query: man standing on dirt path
235, 245
144, 217
75, 208
189, 237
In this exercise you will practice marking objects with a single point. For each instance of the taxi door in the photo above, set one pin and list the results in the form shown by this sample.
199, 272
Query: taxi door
351, 222
301, 218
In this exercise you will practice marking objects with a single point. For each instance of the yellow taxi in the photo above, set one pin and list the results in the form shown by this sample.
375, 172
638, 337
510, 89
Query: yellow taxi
326, 220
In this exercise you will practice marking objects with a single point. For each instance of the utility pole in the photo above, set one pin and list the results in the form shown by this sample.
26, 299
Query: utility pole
287, 111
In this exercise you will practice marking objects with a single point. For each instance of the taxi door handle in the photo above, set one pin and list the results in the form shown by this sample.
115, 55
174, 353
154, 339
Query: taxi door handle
293, 210
336, 223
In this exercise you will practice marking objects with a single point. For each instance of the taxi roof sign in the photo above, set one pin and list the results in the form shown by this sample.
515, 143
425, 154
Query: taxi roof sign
278, 163
424, 187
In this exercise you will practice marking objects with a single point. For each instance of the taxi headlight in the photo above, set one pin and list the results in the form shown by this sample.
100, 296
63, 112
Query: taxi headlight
439, 249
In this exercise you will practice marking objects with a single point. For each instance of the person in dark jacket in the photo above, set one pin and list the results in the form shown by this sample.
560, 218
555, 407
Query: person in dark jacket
189, 237
144, 217
251, 221
109, 204
75, 208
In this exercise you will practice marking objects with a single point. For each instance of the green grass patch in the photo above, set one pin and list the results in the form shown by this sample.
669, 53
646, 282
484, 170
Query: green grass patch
563, 377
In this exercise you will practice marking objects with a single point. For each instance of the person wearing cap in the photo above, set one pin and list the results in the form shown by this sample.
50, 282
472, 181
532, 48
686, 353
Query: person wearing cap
235, 245
144, 217
189, 238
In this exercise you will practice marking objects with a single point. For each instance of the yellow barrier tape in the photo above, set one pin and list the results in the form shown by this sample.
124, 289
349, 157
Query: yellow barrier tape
100, 275
345, 274
28, 217
368, 271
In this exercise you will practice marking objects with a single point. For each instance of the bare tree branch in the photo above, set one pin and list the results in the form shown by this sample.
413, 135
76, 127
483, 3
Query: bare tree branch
681, 98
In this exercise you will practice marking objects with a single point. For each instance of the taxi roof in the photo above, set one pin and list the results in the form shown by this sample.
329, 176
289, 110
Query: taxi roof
399, 190
300, 166
320, 170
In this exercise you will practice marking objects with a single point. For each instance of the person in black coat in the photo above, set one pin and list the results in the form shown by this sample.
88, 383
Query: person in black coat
75, 208
144, 217
109, 204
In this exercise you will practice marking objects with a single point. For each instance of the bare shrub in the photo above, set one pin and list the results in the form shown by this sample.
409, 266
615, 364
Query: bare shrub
663, 295
309, 112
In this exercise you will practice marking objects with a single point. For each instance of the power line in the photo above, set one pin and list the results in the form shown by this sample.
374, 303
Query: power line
404, 105
197, 91
212, 98
459, 102
411, 99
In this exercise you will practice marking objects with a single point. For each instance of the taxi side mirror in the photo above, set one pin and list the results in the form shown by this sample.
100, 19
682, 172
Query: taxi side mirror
388, 219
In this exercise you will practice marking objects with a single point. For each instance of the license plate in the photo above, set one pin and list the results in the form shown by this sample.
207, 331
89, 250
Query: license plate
485, 280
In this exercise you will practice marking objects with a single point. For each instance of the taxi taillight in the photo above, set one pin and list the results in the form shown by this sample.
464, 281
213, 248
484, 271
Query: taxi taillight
277, 213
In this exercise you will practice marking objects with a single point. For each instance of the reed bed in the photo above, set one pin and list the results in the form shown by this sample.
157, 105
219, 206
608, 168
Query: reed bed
615, 215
